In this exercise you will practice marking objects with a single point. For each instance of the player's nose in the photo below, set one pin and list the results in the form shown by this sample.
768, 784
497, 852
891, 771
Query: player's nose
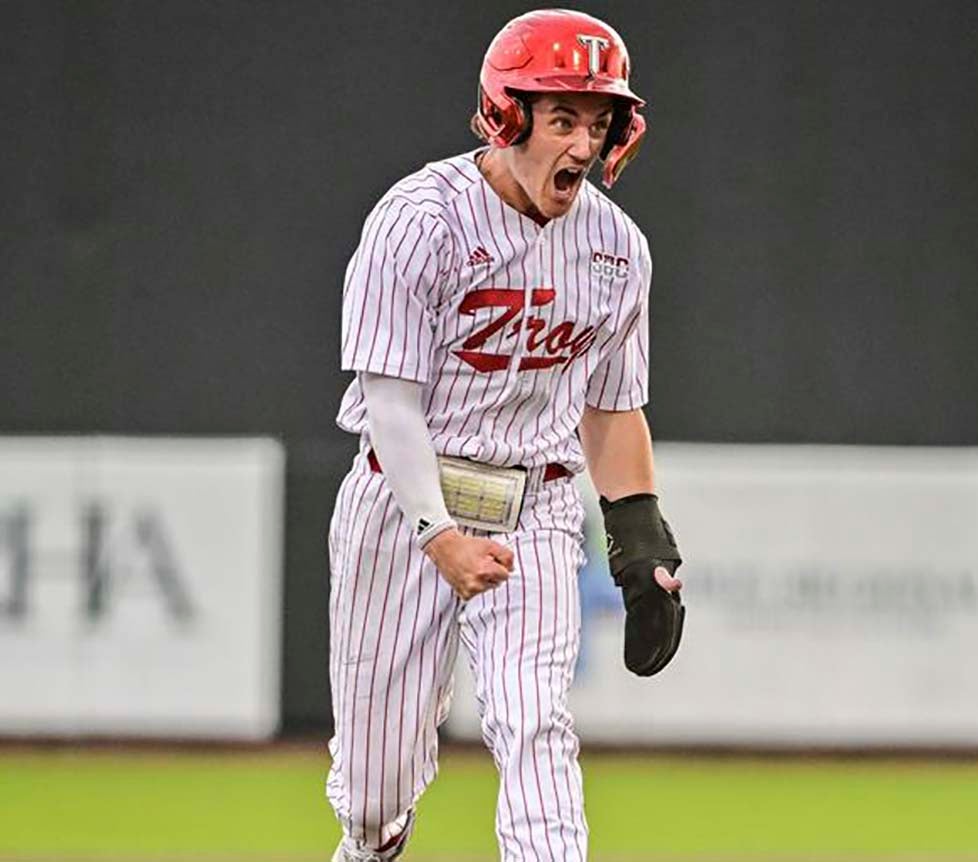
580, 144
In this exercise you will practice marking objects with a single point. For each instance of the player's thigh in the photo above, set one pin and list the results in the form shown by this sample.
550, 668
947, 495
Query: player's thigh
393, 644
389, 606
526, 632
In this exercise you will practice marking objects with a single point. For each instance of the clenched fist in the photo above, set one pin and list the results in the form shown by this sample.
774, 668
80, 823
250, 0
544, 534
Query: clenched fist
470, 564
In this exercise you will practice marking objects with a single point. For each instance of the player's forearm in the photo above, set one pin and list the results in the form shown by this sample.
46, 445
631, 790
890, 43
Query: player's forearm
618, 450
402, 443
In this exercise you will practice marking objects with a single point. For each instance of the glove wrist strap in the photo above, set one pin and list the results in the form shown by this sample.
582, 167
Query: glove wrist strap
637, 532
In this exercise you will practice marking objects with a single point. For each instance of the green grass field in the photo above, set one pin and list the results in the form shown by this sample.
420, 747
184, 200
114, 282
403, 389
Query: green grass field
268, 806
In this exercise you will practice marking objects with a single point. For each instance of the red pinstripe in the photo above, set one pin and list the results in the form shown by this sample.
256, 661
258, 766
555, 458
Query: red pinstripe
550, 754
356, 675
368, 280
379, 839
536, 682
392, 293
402, 682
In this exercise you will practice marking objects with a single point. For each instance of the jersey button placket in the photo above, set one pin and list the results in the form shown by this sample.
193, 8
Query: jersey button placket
539, 282
536, 282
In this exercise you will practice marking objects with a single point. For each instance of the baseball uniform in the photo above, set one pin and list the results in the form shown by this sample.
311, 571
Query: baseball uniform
511, 328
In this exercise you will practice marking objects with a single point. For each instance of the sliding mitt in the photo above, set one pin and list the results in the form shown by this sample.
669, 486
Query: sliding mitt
639, 540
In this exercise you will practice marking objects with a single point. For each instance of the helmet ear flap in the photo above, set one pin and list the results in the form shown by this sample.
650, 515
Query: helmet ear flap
622, 122
504, 123
622, 152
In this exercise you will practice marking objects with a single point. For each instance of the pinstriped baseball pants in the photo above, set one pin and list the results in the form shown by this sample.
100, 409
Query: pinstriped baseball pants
395, 630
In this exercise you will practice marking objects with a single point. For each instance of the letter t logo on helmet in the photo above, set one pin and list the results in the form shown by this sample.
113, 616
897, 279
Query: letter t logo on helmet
594, 45
558, 51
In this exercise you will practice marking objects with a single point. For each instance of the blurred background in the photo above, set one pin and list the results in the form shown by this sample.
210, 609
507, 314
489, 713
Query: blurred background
182, 186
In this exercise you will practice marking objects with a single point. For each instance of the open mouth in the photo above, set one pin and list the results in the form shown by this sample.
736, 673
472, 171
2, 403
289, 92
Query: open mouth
567, 179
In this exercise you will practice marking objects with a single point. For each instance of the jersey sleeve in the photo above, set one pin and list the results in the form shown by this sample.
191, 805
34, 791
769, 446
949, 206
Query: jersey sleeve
390, 281
621, 380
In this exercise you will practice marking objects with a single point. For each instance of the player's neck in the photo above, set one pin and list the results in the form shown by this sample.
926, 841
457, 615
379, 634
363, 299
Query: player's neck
504, 184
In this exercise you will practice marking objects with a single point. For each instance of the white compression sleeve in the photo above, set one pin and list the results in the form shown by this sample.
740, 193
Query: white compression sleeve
400, 438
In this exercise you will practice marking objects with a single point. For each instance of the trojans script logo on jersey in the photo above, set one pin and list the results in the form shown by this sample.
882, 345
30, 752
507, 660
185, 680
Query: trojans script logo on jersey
545, 348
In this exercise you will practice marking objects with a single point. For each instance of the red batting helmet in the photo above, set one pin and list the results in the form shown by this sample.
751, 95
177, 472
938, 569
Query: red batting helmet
551, 51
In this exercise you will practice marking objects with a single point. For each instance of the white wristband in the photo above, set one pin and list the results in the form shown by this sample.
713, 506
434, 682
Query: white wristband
427, 533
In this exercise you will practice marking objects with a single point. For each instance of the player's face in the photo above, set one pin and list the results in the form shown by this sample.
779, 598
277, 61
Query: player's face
568, 133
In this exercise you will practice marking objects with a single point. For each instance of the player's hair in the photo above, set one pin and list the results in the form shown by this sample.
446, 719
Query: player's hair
527, 98
476, 129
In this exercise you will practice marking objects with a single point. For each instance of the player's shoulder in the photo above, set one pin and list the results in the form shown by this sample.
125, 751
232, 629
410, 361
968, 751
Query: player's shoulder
434, 187
596, 199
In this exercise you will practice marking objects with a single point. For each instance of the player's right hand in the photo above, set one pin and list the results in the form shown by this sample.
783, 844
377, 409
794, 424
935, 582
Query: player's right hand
470, 564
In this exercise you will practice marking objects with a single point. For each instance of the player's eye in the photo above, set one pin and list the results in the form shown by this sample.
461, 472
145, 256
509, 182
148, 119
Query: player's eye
563, 123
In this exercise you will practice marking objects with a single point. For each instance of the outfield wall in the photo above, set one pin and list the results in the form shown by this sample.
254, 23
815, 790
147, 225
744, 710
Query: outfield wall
140, 587
832, 600
832, 596
184, 184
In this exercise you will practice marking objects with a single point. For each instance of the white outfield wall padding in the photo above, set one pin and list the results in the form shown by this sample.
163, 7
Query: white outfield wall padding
832, 597
140, 586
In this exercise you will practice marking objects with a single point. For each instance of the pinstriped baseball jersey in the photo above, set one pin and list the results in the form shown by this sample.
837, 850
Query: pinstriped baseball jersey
511, 326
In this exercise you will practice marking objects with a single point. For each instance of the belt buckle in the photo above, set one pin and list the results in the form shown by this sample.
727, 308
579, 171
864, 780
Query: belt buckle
480, 495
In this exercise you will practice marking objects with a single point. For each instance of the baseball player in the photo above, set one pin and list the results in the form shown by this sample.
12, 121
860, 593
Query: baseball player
496, 316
